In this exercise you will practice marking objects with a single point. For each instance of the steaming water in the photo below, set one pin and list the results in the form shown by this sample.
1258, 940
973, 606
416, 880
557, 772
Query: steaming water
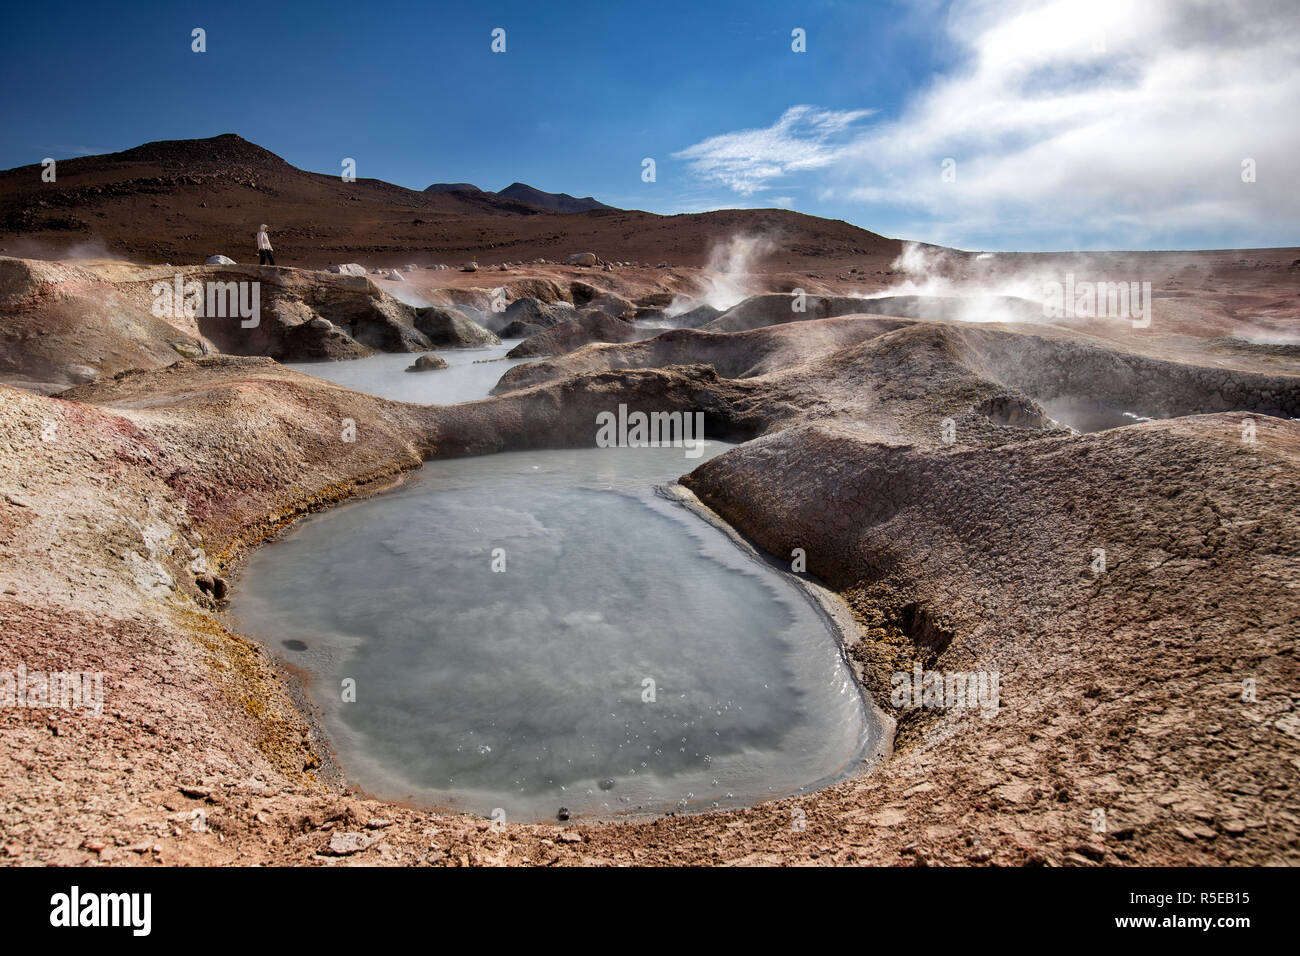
469, 376
1089, 416
524, 689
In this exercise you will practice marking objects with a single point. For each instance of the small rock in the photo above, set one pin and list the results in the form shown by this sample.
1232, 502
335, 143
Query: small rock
563, 814
219, 261
348, 269
1091, 851
570, 836
345, 844
427, 363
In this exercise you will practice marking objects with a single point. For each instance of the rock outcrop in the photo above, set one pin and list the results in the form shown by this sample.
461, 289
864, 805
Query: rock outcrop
67, 324
451, 328
591, 326
527, 316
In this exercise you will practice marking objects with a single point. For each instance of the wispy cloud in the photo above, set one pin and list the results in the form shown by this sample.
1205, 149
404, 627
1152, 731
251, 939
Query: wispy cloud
745, 161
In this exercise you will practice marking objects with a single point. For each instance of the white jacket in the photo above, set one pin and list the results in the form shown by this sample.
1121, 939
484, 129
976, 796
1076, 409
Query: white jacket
263, 240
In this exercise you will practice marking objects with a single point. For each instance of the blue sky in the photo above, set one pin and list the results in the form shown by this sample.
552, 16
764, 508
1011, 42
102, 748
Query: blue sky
1068, 123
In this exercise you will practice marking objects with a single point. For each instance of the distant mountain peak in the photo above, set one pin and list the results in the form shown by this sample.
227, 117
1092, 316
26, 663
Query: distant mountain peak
524, 193
452, 188
226, 148
556, 202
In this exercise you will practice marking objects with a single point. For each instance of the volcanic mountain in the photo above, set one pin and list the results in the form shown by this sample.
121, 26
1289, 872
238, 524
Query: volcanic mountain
183, 200
556, 202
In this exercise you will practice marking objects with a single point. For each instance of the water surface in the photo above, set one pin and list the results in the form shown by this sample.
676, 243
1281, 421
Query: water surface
628, 657
469, 376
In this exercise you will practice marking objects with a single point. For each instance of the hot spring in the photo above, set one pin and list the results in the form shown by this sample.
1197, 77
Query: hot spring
536, 630
468, 377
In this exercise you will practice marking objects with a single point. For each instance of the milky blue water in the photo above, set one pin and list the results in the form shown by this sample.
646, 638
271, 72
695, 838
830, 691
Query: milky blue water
468, 377
624, 655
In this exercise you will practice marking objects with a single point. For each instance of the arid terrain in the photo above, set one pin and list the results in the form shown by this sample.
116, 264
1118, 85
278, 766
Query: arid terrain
184, 200
950, 460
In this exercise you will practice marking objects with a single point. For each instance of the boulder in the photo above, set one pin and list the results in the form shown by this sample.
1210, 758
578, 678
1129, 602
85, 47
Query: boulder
451, 327
520, 329
427, 363
396, 276
219, 261
469, 267
582, 259
612, 304
591, 326
347, 269
532, 311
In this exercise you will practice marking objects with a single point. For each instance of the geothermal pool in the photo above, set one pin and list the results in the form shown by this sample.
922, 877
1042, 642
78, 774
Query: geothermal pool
630, 657
469, 376
1086, 416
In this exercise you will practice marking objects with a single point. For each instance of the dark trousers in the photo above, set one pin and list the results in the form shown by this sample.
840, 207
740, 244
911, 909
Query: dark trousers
266, 258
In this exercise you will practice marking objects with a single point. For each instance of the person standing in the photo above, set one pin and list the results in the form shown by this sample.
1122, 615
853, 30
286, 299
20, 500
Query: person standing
264, 255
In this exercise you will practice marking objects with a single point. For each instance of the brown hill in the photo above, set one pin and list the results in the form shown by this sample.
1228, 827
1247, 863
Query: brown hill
184, 200
556, 202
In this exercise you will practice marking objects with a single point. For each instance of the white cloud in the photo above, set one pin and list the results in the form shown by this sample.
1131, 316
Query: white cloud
1075, 121
804, 138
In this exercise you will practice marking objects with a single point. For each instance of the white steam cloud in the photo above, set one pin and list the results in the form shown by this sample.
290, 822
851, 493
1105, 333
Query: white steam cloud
730, 270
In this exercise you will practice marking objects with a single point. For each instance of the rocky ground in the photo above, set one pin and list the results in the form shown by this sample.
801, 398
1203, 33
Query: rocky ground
1148, 706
